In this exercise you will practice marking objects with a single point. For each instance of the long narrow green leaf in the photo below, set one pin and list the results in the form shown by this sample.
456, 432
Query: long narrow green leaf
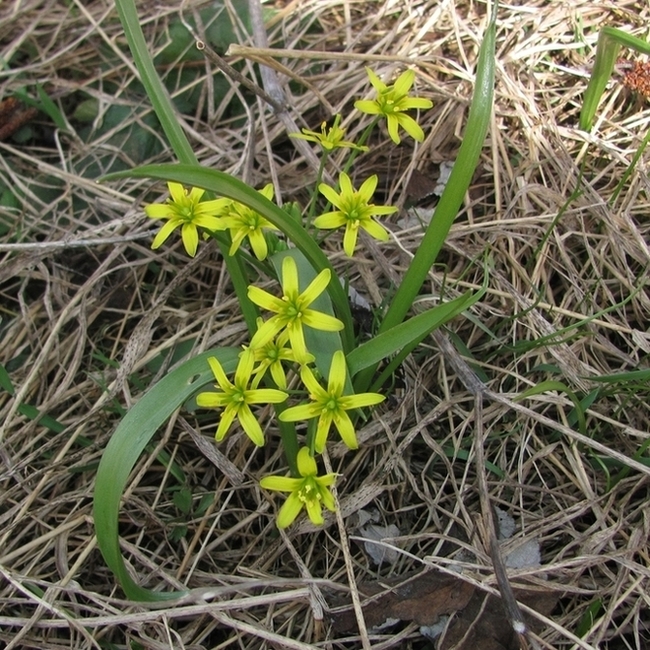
124, 448
156, 91
609, 43
414, 329
461, 175
166, 114
226, 185
633, 375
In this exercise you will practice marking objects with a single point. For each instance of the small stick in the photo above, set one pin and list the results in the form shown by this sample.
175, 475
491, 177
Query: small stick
478, 389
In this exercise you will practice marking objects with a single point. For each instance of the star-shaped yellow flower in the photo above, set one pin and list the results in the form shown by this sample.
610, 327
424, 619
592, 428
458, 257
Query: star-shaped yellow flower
328, 139
270, 357
244, 222
292, 310
186, 210
354, 211
236, 397
330, 405
392, 101
310, 492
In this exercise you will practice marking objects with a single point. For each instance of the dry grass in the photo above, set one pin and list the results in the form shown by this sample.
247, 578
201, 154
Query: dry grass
567, 300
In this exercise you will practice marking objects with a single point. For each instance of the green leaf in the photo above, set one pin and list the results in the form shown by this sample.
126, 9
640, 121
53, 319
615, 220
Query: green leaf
609, 43
408, 333
124, 448
183, 500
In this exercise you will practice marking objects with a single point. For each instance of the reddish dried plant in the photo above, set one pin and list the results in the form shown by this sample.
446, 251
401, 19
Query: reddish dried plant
638, 78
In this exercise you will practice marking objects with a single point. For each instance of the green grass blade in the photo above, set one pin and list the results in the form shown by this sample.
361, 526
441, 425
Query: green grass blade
545, 386
632, 375
124, 448
223, 184
609, 42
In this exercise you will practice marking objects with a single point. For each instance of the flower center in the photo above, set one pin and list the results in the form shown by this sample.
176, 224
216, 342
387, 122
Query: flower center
309, 491
186, 213
239, 396
332, 404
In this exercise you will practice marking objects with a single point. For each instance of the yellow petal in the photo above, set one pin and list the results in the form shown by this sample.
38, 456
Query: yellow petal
289, 511
306, 463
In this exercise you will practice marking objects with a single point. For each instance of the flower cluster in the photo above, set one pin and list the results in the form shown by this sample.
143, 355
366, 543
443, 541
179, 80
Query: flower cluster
187, 211
260, 377
291, 314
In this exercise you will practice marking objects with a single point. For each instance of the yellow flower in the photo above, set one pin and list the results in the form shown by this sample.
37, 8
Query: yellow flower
236, 398
310, 492
187, 211
270, 357
292, 310
354, 211
392, 101
244, 222
330, 405
329, 139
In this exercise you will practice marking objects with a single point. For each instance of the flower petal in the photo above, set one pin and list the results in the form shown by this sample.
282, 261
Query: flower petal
226, 420
290, 277
330, 194
219, 374
158, 211
315, 288
350, 240
265, 396
190, 236
289, 511
265, 333
297, 338
327, 498
164, 233
346, 184
281, 483
338, 373
359, 401
346, 429
367, 106
258, 244
376, 82
250, 425
265, 300
212, 400
410, 126
300, 412
312, 384
177, 192
321, 321
403, 83
375, 230
393, 124
314, 511
306, 463
322, 429
244, 368
415, 102
330, 220
208, 222
368, 188
278, 375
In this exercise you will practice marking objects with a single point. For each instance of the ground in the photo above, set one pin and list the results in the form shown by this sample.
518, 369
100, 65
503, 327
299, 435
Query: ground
555, 226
